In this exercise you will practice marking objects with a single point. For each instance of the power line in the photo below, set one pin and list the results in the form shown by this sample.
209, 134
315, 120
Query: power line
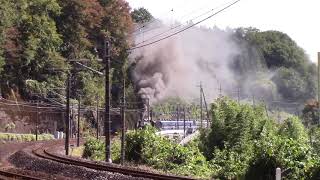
184, 29
30, 106
143, 25
180, 25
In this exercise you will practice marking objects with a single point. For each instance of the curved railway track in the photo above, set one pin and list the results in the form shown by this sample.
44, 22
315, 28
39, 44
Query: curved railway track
6, 174
45, 153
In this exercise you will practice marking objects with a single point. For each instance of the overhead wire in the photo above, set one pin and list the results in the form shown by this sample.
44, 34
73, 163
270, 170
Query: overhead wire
180, 25
141, 31
28, 106
25, 103
154, 19
186, 28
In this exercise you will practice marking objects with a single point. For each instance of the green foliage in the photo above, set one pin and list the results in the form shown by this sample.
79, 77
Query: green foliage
274, 51
8, 16
94, 149
32, 45
291, 85
144, 146
24, 137
314, 135
292, 156
141, 15
294, 129
233, 126
38, 37
243, 143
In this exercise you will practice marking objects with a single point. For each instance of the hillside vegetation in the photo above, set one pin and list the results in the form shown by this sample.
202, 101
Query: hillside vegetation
37, 38
242, 143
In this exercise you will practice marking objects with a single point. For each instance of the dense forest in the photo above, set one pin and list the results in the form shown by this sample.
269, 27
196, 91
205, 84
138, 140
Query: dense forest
38, 38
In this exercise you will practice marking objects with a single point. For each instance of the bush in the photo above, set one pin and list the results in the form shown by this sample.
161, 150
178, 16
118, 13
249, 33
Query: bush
115, 150
24, 137
94, 149
144, 146
243, 143
292, 156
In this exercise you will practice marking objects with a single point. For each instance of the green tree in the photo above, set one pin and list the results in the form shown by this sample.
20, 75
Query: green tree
288, 149
8, 16
293, 128
78, 23
274, 51
141, 15
233, 126
38, 43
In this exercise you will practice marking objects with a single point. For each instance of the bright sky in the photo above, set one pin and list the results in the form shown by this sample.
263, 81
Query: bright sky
298, 18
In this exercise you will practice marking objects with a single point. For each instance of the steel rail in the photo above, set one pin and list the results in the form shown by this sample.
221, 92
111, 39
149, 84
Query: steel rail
16, 175
46, 154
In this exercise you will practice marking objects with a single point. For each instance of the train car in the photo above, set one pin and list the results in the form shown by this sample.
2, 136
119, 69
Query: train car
172, 124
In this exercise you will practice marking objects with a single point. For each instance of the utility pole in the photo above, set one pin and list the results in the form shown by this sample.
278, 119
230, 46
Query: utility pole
184, 121
201, 117
205, 103
318, 93
238, 92
123, 116
71, 120
79, 108
279, 117
148, 109
67, 118
178, 116
107, 122
37, 121
97, 114
220, 90
67, 114
253, 101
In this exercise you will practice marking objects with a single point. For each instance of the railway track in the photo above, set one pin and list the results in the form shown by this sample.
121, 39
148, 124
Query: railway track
45, 153
5, 175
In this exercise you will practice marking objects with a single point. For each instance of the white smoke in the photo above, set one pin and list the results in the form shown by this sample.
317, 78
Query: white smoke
174, 67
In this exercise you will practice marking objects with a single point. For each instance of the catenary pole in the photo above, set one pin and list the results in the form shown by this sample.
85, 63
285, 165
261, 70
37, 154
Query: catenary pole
206, 106
178, 115
67, 118
97, 115
319, 87
184, 121
79, 108
37, 121
123, 116
107, 101
201, 116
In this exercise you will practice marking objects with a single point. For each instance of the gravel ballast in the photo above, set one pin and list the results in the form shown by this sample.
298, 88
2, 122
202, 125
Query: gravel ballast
24, 160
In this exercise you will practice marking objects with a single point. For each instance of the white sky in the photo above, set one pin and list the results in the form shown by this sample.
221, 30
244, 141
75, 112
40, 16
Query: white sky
300, 19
